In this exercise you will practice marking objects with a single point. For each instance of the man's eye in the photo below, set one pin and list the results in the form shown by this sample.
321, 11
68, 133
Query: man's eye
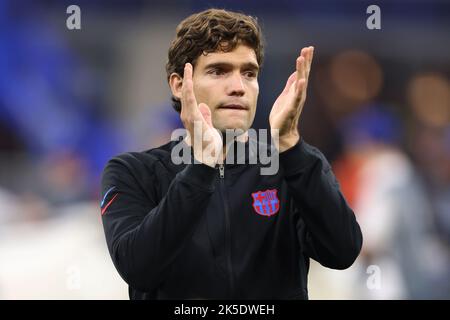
250, 74
216, 72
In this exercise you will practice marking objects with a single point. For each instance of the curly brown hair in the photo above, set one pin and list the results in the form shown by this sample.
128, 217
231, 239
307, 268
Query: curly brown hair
210, 31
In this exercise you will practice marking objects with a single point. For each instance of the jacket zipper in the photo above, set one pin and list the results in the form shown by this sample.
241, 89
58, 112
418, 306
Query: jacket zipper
227, 230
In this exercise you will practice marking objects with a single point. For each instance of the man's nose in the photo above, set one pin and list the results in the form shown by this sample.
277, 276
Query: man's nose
236, 85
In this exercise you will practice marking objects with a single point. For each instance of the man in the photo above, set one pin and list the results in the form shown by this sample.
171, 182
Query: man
210, 230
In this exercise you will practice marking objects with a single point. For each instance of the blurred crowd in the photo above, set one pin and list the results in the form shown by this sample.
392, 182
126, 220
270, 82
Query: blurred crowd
71, 99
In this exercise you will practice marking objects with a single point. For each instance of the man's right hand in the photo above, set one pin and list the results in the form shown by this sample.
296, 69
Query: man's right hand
205, 140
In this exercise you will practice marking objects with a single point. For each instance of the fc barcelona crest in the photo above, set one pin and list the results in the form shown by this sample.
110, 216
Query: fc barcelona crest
266, 203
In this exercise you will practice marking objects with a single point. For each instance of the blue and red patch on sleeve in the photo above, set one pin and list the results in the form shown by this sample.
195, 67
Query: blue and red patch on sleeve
112, 196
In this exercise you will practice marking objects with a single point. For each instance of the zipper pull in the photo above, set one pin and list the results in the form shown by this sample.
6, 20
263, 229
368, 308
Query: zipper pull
221, 171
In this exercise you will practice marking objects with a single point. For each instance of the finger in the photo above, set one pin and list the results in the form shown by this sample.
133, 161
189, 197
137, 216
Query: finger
300, 67
301, 76
304, 65
310, 55
304, 52
305, 55
289, 82
308, 66
309, 61
188, 100
300, 87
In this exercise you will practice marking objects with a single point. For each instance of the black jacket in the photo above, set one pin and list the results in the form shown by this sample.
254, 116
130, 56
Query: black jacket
195, 232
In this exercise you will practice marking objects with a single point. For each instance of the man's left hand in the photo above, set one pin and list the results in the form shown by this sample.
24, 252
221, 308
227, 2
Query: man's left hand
288, 107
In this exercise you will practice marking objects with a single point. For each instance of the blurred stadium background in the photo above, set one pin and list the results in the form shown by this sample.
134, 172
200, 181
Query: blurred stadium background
378, 106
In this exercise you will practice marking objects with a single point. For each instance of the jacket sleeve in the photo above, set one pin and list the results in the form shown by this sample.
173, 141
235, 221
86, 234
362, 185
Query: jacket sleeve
145, 234
332, 235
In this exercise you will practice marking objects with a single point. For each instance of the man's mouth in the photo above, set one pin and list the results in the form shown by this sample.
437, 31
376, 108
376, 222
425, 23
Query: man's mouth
234, 107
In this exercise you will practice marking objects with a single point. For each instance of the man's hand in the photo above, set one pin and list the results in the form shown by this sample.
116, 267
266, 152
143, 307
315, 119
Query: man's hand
202, 136
287, 108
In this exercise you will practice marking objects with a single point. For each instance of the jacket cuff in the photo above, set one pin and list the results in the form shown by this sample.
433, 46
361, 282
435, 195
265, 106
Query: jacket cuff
200, 175
296, 158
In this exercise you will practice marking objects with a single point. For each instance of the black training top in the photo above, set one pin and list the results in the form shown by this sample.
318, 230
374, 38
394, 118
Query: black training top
189, 231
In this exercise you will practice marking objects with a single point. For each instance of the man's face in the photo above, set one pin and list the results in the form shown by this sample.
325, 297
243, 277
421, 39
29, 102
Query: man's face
227, 82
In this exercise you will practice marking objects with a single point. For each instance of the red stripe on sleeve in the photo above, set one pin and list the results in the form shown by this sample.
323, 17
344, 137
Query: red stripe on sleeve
109, 203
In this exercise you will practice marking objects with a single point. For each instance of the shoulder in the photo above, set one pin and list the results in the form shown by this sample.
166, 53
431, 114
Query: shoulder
137, 171
136, 160
139, 163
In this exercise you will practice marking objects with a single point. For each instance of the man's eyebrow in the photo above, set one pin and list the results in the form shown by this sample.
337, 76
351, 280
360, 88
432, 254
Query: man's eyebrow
247, 65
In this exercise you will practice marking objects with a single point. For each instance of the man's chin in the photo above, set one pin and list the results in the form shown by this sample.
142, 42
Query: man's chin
234, 132
235, 129
233, 125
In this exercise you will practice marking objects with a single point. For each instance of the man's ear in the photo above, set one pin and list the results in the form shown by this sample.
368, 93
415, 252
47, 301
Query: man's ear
176, 83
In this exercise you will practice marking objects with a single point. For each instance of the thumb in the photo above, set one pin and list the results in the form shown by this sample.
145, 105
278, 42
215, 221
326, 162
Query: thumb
206, 113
